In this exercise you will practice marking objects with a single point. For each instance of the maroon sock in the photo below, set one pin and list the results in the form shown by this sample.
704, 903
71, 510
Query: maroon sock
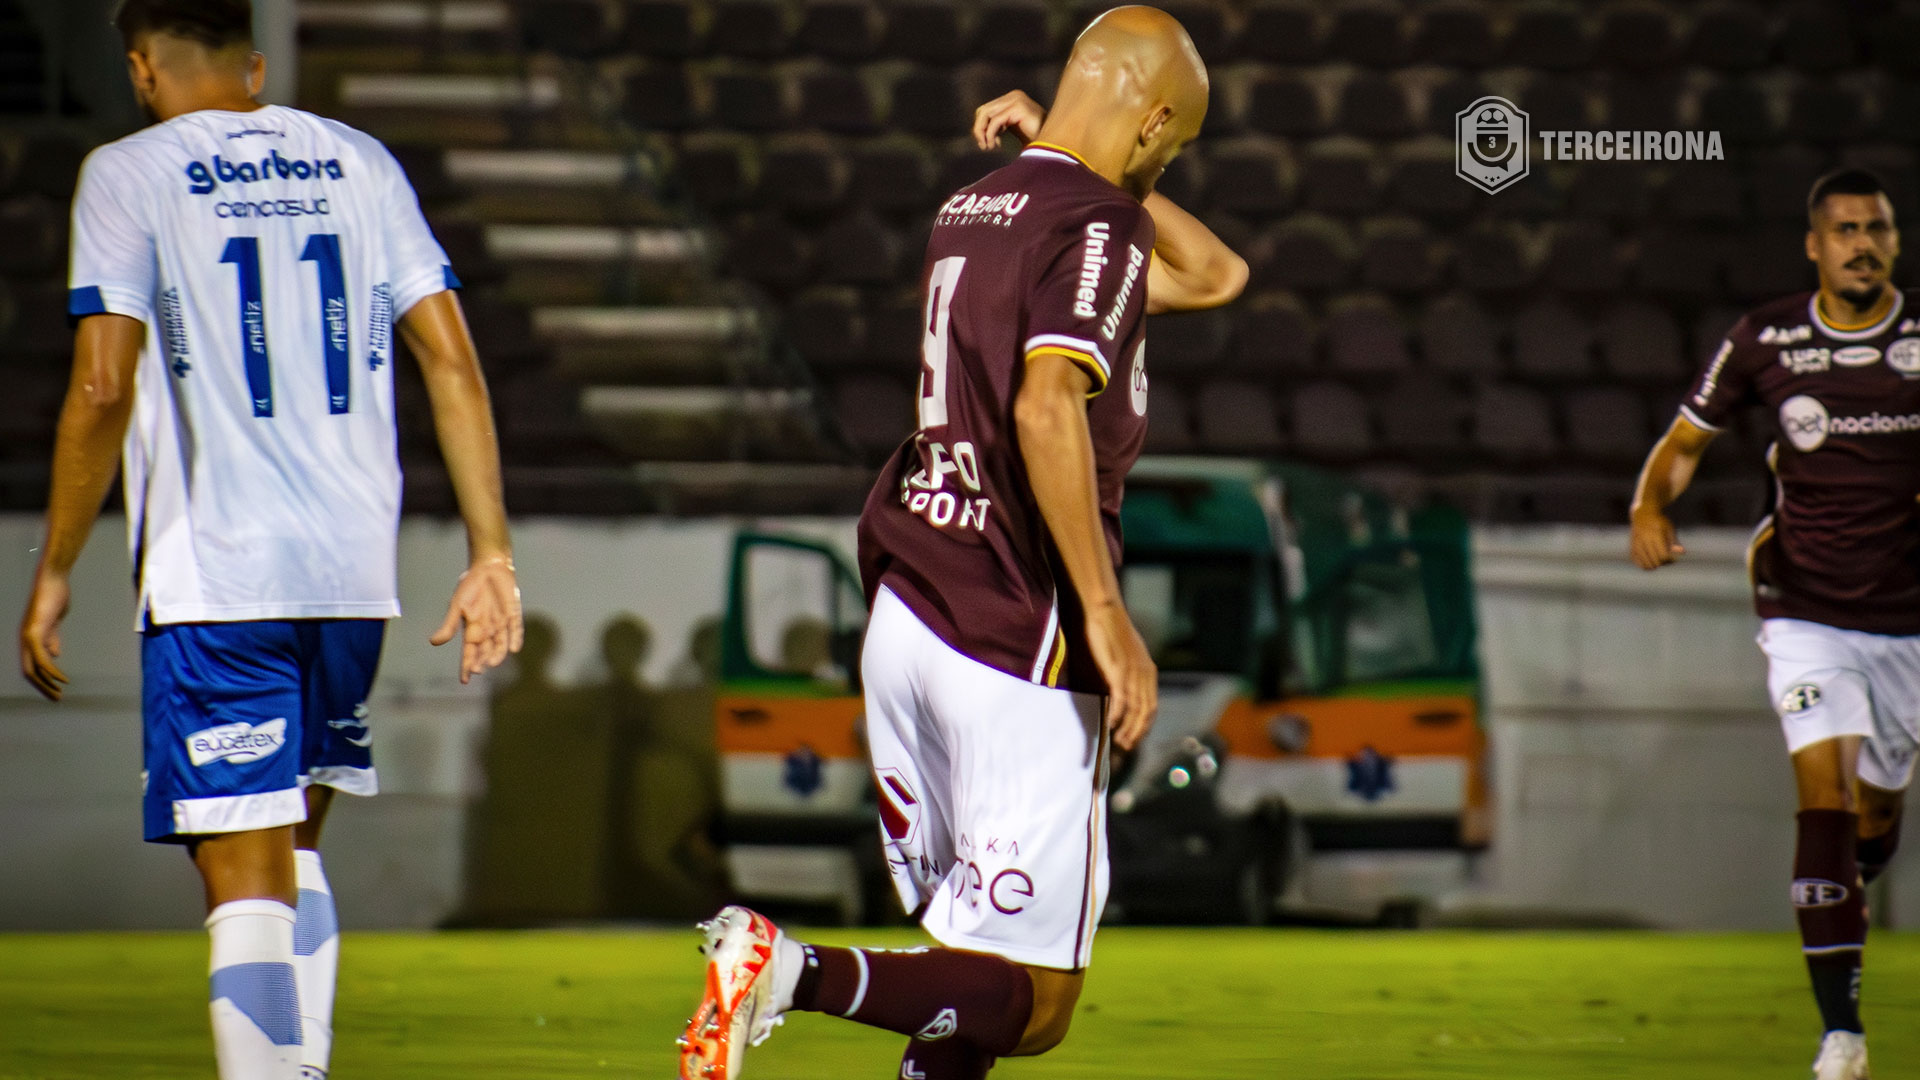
1832, 911
944, 1059
933, 995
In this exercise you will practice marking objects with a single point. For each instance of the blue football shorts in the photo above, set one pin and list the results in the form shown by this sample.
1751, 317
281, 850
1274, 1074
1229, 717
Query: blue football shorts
240, 717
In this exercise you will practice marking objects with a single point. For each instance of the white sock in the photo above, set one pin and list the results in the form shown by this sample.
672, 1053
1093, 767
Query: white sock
250, 989
316, 959
790, 958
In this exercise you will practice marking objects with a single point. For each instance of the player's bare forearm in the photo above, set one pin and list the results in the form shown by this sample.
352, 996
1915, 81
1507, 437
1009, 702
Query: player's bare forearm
1051, 417
1668, 471
435, 330
1192, 268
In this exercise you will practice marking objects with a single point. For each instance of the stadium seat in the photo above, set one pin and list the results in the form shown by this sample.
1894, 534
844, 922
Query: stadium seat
1309, 251
1374, 105
1555, 103
1187, 343
1329, 422
1642, 101
719, 171
1399, 255
1817, 38
1637, 34
845, 30
1607, 425
573, 28
40, 327
751, 29
1422, 418
33, 226
1341, 175
966, 163
1729, 37
983, 81
1705, 193
1491, 258
763, 249
803, 175
1206, 23
1283, 31
1613, 191
894, 333
747, 98
1677, 262
1457, 336
1016, 31
1423, 182
929, 31
1709, 330
660, 97
838, 100
669, 29
1284, 103
1273, 336
1250, 175
1548, 34
1513, 423
1449, 97
1767, 263
1640, 341
1184, 182
1823, 110
1237, 418
1454, 33
465, 243
1895, 40
928, 101
894, 175
859, 249
874, 412
826, 324
1169, 417
1366, 335
1738, 110
1583, 257
1552, 341
1900, 110
1894, 164
1370, 33
49, 165
1782, 175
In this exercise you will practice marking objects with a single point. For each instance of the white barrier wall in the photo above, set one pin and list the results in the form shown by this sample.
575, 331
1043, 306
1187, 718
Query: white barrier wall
1637, 767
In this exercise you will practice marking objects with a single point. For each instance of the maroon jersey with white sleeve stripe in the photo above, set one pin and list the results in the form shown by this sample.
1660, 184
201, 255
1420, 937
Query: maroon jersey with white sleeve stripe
1043, 256
1842, 545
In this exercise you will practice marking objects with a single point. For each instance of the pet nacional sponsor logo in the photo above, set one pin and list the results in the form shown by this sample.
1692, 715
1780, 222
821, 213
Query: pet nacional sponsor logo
238, 743
1808, 425
982, 209
1093, 259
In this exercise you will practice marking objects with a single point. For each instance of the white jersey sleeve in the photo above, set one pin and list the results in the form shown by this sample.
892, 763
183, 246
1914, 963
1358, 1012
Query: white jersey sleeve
113, 270
420, 266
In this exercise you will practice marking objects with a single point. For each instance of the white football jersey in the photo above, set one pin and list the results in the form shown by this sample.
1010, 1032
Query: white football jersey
269, 254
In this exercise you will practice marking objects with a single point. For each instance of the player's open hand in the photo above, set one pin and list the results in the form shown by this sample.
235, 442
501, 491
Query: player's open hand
486, 603
1133, 682
1654, 543
1010, 110
40, 634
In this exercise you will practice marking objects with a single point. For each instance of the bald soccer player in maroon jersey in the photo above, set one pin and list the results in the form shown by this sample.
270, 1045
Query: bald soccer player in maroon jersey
999, 659
1835, 566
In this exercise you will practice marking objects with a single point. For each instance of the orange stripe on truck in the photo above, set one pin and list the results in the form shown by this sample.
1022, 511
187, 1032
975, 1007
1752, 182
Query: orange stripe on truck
753, 724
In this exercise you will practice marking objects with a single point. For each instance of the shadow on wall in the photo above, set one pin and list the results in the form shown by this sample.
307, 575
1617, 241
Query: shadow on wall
600, 799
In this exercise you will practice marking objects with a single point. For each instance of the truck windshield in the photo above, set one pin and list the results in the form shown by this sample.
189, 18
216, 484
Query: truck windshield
1199, 612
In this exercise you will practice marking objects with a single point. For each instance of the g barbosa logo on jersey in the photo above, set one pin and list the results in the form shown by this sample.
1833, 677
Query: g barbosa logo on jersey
1903, 356
1139, 381
239, 743
1804, 422
1799, 698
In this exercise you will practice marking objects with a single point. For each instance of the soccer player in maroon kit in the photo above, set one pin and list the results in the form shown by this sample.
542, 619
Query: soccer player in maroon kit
988, 549
1835, 566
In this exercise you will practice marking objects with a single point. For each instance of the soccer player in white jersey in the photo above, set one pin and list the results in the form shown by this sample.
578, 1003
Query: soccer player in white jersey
238, 274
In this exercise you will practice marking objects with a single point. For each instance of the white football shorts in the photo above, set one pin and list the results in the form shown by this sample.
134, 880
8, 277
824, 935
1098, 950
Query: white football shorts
1827, 682
992, 796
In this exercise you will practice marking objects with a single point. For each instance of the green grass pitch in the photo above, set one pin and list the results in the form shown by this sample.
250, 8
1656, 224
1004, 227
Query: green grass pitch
1200, 1003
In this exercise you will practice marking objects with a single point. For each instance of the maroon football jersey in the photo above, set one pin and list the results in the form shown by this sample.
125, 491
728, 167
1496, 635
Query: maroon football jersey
1842, 545
1042, 256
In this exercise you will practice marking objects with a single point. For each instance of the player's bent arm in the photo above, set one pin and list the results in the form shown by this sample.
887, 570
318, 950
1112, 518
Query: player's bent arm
1191, 268
86, 455
1669, 469
1050, 418
487, 600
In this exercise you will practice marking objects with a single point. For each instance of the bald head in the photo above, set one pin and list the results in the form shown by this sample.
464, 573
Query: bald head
1134, 76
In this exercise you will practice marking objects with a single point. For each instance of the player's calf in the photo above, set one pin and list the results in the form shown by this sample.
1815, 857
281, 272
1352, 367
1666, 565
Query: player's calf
1880, 815
1055, 994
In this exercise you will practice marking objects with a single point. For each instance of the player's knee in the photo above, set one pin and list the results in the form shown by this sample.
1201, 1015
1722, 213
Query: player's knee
1055, 995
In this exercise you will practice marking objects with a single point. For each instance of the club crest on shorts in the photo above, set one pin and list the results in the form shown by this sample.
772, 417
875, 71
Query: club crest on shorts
1799, 698
943, 1026
899, 806
1490, 144
238, 743
1817, 893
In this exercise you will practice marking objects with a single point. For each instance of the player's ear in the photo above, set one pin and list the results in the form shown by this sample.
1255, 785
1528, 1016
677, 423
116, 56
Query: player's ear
140, 71
1813, 245
1156, 123
256, 73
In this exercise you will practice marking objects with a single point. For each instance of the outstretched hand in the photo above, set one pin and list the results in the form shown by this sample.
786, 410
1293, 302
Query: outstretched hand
1133, 682
1010, 110
486, 604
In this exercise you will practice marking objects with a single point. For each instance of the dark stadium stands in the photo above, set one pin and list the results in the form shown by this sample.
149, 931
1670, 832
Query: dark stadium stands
692, 228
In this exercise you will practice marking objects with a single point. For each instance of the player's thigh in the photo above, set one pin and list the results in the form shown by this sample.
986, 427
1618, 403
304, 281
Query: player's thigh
341, 658
1029, 831
221, 715
910, 766
1887, 759
1817, 679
